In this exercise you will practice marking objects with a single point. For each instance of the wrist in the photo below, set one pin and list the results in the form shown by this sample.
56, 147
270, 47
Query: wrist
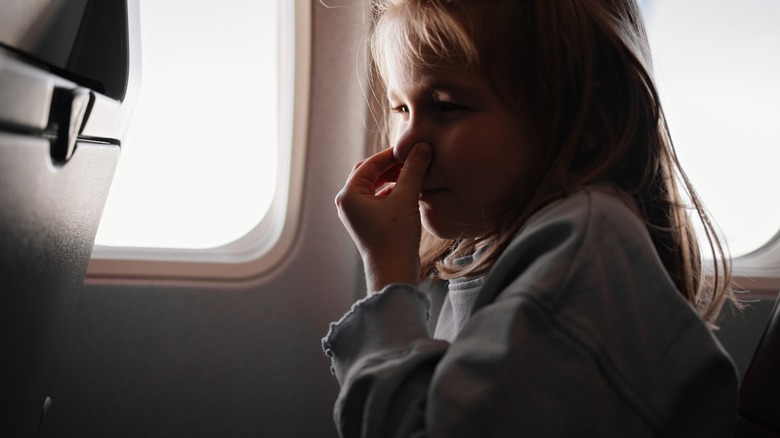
382, 271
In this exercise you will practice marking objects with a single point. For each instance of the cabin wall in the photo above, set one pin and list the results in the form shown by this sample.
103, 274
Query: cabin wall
234, 359
740, 330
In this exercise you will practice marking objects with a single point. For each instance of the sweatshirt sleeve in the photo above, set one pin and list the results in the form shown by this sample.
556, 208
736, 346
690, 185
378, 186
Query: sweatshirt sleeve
577, 332
383, 357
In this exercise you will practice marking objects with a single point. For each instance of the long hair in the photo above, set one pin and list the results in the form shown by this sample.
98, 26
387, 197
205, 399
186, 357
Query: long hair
580, 70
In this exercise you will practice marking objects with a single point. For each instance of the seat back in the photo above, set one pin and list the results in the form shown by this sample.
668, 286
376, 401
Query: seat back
64, 92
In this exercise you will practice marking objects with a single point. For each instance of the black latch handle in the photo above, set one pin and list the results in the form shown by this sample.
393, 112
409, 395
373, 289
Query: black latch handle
69, 113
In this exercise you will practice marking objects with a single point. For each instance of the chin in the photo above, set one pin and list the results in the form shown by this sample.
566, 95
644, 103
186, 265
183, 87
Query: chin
447, 228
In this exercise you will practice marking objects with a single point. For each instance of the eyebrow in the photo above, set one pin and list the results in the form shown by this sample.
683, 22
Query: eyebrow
439, 89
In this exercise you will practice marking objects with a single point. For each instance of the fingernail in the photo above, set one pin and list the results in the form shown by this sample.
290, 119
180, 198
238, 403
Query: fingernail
423, 150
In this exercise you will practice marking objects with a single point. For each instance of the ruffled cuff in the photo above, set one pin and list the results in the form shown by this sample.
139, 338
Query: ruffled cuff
387, 320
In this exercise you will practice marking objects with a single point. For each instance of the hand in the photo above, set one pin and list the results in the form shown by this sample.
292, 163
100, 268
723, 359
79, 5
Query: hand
384, 221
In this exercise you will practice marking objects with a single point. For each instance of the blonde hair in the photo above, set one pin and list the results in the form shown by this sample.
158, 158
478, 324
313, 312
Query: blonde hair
580, 70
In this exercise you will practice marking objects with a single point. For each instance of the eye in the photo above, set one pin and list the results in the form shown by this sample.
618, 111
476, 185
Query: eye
447, 106
401, 109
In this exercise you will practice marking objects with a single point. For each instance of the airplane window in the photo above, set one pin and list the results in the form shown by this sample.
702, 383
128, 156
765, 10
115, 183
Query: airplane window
717, 65
198, 165
205, 170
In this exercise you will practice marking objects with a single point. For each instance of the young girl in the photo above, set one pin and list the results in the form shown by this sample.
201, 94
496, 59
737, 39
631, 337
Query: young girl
531, 153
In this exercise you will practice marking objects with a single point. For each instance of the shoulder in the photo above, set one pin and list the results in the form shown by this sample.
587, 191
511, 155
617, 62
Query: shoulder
596, 226
593, 207
593, 241
595, 223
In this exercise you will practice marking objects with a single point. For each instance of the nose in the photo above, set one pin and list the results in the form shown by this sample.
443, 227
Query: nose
410, 134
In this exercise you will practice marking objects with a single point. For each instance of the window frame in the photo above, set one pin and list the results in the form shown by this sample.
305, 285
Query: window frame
269, 242
758, 270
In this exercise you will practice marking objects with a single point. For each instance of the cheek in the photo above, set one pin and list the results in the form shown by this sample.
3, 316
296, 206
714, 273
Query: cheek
455, 167
489, 154
500, 166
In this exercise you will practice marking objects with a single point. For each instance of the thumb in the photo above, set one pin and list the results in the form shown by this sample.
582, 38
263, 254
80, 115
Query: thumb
413, 171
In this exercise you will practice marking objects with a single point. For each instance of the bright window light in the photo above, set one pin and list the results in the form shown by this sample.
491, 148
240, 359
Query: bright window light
717, 65
198, 167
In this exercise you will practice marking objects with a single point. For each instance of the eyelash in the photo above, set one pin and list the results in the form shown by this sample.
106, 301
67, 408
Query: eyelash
440, 105
447, 106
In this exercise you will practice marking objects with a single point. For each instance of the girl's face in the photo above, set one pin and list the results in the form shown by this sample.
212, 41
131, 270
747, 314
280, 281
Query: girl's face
483, 153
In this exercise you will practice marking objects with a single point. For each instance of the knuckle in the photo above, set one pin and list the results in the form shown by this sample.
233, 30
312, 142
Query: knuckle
340, 199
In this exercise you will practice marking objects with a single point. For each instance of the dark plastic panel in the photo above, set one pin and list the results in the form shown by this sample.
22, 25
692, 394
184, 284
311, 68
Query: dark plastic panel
84, 41
54, 180
48, 220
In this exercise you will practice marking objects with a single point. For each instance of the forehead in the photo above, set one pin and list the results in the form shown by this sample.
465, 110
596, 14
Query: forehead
404, 77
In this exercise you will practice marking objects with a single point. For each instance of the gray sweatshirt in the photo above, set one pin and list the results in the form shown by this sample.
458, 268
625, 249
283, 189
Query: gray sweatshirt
576, 331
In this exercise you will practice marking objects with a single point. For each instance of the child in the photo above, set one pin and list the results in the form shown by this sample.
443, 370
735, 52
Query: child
532, 154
